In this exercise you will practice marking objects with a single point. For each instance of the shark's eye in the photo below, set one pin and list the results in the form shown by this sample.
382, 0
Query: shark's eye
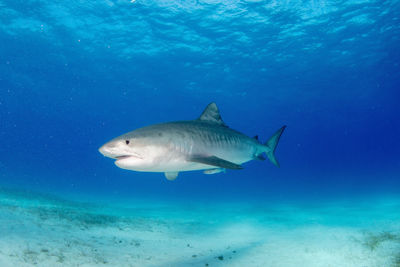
127, 142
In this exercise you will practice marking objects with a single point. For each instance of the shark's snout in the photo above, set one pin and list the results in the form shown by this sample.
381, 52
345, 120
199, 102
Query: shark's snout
108, 151
103, 150
116, 150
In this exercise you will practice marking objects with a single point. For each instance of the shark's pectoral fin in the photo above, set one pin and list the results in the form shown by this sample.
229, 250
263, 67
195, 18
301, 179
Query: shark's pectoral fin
213, 171
215, 161
171, 175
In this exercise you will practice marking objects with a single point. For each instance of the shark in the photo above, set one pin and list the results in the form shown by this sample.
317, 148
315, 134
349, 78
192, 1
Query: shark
205, 143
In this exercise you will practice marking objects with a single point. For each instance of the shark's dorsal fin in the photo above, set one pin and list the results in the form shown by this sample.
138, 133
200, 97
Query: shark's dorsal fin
211, 114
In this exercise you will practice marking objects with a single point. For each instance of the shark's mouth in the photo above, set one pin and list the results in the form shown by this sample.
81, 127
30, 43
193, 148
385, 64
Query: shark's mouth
123, 157
128, 156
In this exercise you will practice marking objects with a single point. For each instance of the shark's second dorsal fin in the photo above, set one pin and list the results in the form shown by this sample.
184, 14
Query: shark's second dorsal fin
211, 114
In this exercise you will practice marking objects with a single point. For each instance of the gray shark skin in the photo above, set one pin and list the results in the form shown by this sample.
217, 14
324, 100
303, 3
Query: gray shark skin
202, 144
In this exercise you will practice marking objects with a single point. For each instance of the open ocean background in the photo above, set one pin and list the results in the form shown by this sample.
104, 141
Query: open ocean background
75, 74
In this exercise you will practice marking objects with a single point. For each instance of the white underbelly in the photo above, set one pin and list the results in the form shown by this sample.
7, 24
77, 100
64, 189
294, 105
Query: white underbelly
177, 166
165, 161
183, 165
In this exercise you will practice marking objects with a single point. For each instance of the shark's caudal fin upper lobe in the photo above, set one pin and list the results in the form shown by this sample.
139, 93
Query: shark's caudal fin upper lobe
272, 143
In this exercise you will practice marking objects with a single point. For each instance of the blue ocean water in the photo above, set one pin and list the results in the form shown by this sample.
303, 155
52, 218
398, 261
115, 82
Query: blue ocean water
75, 74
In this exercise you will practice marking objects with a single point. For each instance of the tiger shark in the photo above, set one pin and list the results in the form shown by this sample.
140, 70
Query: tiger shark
206, 143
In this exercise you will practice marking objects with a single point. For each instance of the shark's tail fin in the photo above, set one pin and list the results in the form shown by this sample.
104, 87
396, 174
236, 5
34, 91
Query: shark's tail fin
271, 145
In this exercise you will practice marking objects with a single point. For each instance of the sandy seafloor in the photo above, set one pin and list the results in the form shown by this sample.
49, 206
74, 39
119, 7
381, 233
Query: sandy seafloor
41, 230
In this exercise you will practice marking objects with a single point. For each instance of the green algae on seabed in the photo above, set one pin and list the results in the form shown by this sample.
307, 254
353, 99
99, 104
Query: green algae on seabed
373, 241
396, 262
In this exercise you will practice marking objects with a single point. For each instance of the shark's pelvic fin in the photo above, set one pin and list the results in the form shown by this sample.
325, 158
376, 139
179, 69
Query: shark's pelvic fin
171, 175
215, 161
260, 157
213, 171
211, 114
272, 143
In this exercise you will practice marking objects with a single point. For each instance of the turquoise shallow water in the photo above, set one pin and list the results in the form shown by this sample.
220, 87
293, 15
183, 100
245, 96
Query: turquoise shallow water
44, 230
